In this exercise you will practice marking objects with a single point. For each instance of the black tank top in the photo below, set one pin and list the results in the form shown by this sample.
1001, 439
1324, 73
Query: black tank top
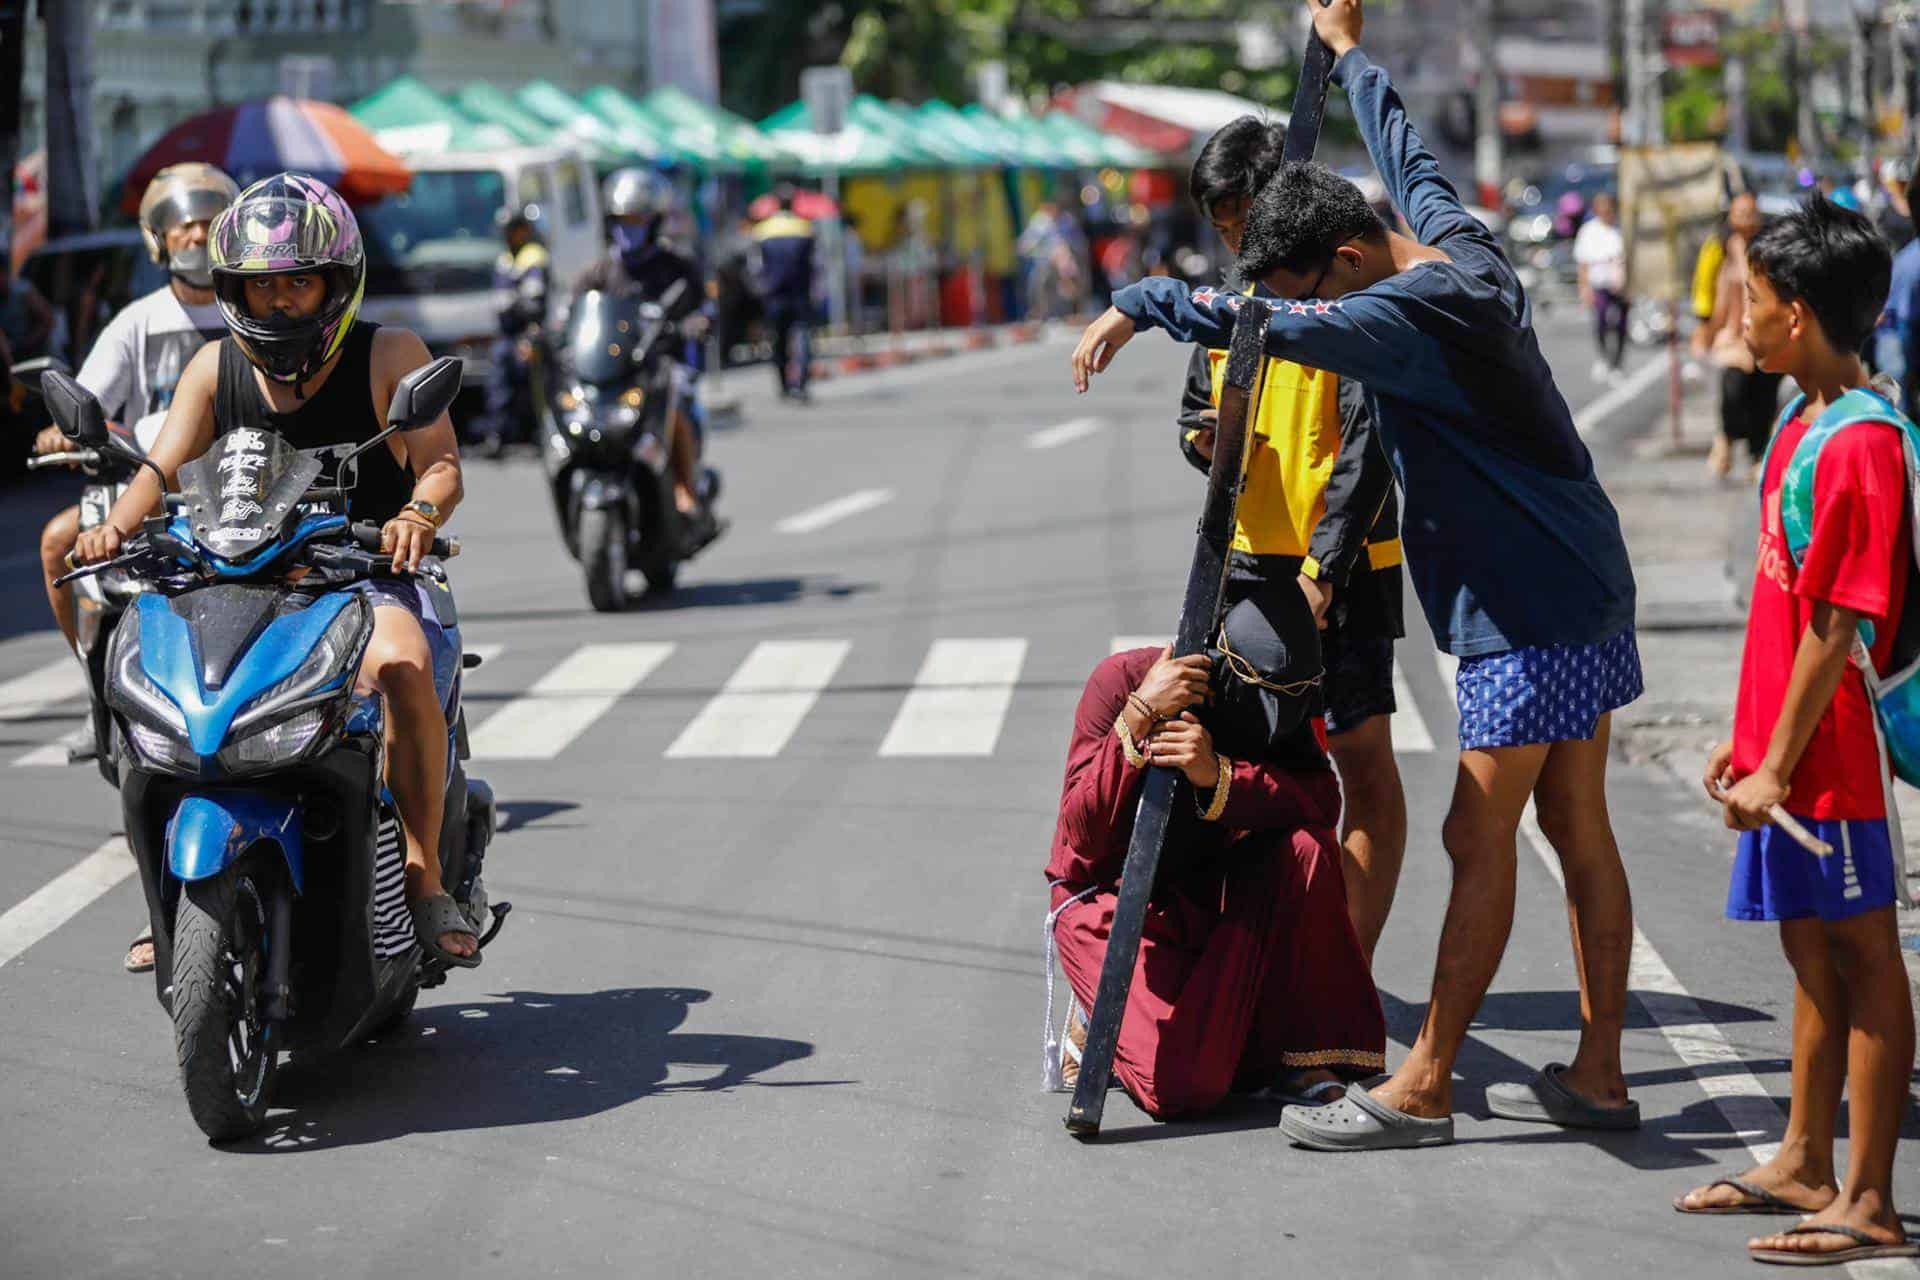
340, 411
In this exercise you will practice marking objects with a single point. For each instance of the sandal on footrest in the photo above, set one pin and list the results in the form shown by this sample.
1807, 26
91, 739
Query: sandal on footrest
435, 916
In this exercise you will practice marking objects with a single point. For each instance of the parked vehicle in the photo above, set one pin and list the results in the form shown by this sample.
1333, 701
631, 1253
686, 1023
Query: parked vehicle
431, 249
251, 773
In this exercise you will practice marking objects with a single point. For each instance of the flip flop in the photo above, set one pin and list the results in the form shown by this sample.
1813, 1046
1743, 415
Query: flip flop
435, 916
1867, 1248
1546, 1100
1361, 1122
1759, 1201
145, 935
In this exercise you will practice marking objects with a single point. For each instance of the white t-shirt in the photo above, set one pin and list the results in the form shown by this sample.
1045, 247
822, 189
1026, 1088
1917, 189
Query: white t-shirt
1602, 250
137, 361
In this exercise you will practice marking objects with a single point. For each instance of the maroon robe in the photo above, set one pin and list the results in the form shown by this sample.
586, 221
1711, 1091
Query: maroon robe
1248, 966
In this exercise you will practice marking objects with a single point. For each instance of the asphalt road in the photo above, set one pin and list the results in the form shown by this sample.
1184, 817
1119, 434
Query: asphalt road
771, 1001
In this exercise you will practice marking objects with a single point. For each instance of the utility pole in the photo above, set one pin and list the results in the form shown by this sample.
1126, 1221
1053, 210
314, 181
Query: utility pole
1645, 124
1794, 32
1487, 162
1866, 14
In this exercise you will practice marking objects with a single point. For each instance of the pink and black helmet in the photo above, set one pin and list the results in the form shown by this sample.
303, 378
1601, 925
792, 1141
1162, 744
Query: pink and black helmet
289, 224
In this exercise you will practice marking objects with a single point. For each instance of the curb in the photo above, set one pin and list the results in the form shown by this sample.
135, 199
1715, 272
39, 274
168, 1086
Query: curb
944, 344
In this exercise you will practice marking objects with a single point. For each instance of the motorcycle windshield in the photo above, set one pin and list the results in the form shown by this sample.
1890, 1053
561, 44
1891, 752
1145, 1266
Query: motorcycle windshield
243, 492
602, 333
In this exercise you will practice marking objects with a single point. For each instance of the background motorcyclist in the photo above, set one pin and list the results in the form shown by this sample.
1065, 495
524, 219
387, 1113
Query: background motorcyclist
520, 280
640, 261
289, 271
133, 369
786, 244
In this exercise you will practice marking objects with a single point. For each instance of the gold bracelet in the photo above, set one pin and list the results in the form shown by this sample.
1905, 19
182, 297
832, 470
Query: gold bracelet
1133, 755
1219, 803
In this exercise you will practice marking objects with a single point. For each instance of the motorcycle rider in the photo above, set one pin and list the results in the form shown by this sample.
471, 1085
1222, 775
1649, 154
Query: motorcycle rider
520, 288
640, 261
133, 369
289, 270
786, 244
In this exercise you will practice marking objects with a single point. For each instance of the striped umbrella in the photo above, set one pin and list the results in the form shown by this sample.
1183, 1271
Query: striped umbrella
254, 140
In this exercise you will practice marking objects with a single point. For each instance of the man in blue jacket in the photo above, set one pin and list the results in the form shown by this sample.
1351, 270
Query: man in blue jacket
786, 281
1514, 550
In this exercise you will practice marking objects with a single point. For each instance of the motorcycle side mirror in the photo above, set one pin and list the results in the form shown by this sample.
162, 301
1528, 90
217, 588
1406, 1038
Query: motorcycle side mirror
75, 410
424, 394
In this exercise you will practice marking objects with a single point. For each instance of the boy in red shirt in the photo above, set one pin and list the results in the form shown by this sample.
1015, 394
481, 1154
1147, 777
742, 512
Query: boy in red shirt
1803, 738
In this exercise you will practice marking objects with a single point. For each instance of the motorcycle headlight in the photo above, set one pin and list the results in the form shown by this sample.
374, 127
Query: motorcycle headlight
634, 397
160, 748
277, 742
322, 674
622, 415
131, 692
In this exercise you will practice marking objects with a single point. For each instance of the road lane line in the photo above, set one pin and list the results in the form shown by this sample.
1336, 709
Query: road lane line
1067, 432
566, 701
1123, 643
816, 518
763, 701
1694, 1038
24, 697
63, 897
1617, 397
958, 700
1409, 727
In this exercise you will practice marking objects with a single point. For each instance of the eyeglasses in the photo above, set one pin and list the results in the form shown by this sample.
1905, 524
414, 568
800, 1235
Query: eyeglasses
1313, 290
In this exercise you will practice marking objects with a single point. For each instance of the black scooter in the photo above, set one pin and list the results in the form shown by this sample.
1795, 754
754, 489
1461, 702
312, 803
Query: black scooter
608, 448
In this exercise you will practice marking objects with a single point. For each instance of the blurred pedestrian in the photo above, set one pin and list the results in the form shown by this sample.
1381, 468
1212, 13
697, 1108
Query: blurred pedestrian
1600, 251
520, 287
1749, 395
787, 269
1896, 339
26, 321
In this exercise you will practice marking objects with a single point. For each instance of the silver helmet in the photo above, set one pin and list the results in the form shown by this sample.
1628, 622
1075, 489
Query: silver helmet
638, 192
182, 193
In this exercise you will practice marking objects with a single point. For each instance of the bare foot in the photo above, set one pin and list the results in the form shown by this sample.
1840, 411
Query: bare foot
1808, 1197
140, 956
419, 887
1411, 1098
1606, 1088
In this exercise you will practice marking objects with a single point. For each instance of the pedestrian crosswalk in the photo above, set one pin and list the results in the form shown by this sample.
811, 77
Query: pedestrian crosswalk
955, 706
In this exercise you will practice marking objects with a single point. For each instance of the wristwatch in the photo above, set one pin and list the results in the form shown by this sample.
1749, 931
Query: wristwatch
425, 508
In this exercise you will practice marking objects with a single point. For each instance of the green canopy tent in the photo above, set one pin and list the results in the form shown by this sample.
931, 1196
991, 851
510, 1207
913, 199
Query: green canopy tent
629, 119
1040, 150
855, 151
406, 116
604, 145
733, 139
1113, 151
485, 103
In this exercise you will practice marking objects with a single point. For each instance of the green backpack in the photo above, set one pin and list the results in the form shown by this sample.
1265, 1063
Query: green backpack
1894, 692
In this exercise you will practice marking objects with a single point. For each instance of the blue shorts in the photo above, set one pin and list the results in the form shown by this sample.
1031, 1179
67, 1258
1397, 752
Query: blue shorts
1525, 697
1775, 879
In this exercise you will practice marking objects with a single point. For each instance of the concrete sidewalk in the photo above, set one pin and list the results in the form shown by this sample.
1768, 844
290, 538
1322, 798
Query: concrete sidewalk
1692, 539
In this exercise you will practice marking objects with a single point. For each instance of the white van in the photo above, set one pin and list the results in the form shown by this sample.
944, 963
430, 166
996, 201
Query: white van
431, 250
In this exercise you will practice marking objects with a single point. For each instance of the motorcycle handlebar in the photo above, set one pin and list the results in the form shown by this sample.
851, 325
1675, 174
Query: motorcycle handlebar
366, 536
74, 458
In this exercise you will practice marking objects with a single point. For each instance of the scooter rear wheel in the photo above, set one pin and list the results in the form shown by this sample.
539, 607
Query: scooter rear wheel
227, 1049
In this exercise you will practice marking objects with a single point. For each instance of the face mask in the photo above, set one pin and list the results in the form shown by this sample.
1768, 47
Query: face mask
194, 265
633, 244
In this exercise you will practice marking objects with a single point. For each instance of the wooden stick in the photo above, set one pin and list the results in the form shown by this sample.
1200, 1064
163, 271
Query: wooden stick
1804, 838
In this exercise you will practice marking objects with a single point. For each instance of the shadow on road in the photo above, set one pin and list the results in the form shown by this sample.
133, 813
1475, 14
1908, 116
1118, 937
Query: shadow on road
530, 1057
694, 595
516, 814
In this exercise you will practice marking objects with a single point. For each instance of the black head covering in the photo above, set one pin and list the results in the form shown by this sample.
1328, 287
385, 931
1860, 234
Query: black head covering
1266, 674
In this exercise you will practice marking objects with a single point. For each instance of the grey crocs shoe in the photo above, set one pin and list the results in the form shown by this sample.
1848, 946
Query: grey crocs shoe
1361, 1122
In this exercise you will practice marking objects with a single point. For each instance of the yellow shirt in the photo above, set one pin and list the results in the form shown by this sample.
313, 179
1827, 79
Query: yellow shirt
1296, 437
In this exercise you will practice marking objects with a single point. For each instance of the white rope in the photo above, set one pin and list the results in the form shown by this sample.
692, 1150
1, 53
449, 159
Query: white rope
1050, 1077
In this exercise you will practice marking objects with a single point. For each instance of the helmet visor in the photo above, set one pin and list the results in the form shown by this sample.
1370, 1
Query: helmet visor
271, 234
185, 204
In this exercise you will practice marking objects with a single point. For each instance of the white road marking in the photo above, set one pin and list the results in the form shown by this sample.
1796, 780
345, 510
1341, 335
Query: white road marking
1617, 397
1123, 643
566, 701
958, 700
1067, 432
816, 518
1734, 1091
63, 897
763, 701
30, 695
24, 697
1409, 727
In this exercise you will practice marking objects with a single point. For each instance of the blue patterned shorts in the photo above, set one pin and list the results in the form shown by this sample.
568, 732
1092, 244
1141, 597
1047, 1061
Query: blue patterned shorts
1556, 694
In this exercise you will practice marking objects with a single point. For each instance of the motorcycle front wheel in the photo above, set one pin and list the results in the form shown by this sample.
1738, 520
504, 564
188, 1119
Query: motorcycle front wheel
225, 1045
603, 551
